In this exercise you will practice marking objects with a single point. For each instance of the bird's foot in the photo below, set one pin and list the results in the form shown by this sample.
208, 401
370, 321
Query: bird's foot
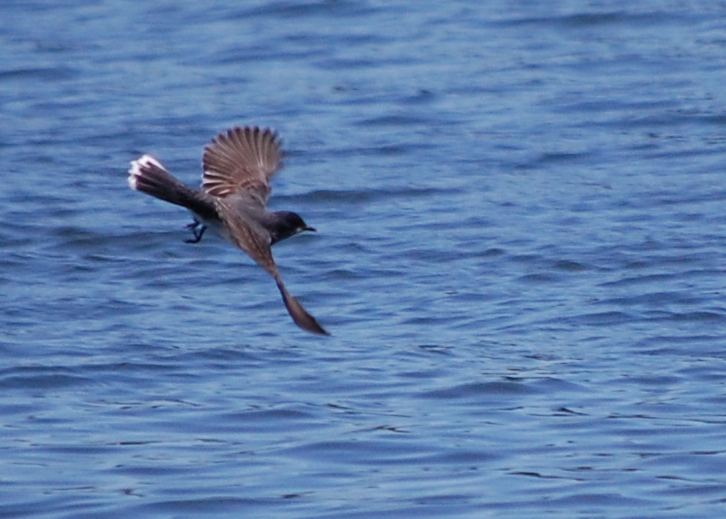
198, 231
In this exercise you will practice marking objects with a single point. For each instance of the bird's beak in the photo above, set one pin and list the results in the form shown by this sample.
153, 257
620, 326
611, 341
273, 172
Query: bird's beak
310, 229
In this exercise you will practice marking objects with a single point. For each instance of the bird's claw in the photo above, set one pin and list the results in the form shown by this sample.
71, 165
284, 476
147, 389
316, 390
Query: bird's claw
197, 229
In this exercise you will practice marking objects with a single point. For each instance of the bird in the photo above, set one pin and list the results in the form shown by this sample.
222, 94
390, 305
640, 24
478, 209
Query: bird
237, 167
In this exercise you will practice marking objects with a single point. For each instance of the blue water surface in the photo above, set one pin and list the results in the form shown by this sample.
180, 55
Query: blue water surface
520, 257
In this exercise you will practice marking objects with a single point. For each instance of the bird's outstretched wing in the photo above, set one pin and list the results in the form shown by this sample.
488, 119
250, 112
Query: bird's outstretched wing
245, 234
241, 159
299, 315
258, 248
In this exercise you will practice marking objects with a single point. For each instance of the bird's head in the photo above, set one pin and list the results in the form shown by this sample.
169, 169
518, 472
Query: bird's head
287, 224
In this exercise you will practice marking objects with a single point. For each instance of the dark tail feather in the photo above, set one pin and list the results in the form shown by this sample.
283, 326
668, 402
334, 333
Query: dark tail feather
149, 176
303, 319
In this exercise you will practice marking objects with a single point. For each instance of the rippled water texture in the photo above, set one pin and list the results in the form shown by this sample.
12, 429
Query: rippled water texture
520, 256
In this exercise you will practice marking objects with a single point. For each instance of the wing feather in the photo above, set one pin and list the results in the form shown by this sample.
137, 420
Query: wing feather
241, 159
257, 247
255, 244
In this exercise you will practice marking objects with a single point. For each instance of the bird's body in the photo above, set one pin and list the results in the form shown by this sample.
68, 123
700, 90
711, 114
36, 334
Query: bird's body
238, 165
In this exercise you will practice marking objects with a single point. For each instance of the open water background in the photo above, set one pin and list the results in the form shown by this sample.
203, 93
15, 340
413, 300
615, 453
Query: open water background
520, 256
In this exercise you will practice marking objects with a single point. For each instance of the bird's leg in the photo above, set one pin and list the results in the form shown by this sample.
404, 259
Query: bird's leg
197, 229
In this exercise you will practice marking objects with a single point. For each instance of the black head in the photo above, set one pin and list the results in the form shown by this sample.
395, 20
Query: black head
286, 224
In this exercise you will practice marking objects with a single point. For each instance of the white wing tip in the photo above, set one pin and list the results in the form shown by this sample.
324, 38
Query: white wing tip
143, 162
137, 166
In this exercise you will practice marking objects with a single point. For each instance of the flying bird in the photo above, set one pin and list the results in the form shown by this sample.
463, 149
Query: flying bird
238, 165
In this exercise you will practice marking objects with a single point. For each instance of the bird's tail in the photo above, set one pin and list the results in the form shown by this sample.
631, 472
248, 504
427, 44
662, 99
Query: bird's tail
299, 315
149, 176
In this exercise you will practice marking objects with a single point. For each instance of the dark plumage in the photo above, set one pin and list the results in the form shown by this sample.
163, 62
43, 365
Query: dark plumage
238, 165
286, 224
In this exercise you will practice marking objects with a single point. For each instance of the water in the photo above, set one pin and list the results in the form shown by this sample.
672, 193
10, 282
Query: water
520, 257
